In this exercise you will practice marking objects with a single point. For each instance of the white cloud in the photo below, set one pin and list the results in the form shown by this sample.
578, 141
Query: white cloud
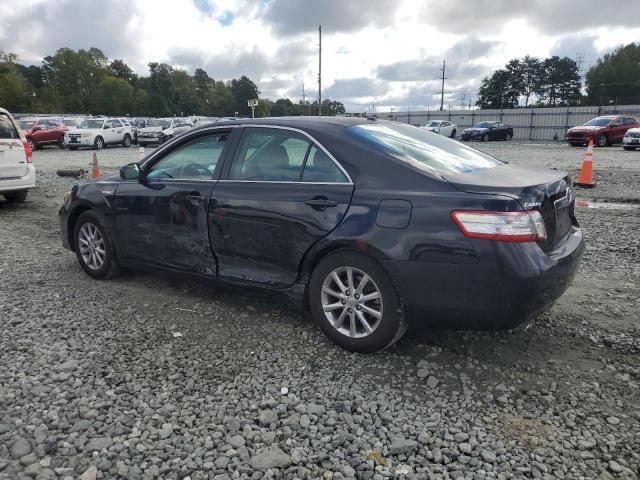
386, 52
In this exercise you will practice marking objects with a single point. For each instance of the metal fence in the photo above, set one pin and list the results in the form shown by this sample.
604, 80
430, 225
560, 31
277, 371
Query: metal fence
540, 123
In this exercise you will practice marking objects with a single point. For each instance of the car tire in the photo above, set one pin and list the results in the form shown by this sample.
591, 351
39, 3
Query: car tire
602, 141
98, 143
485, 137
507, 137
61, 143
32, 144
73, 149
90, 237
629, 148
575, 145
18, 196
383, 331
453, 133
126, 141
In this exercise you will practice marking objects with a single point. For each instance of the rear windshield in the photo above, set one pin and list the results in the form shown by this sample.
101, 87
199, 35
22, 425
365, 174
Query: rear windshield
7, 129
422, 149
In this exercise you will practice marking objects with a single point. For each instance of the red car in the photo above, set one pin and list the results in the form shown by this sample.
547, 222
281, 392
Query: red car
603, 130
43, 131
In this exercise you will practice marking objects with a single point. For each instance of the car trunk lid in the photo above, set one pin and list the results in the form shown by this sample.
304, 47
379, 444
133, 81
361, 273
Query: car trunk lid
545, 190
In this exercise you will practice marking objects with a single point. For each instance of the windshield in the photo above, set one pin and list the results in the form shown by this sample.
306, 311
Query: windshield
161, 122
91, 123
72, 122
432, 123
598, 122
483, 125
422, 149
26, 124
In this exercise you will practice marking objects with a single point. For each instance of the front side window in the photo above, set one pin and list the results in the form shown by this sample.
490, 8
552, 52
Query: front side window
26, 124
194, 160
116, 123
431, 153
52, 124
42, 124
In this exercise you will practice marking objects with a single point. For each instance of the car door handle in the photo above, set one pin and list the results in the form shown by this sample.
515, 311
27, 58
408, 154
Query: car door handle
321, 203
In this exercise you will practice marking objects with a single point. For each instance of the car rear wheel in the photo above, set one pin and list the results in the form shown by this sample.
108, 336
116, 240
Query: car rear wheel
485, 137
356, 302
94, 247
31, 143
16, 197
126, 141
98, 143
603, 141
629, 148
507, 137
61, 142
453, 133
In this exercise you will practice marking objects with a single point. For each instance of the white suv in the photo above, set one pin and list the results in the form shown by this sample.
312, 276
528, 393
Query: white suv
631, 139
99, 132
17, 173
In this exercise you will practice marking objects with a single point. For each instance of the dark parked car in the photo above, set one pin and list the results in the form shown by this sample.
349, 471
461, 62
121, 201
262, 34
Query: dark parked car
486, 131
371, 223
43, 131
602, 130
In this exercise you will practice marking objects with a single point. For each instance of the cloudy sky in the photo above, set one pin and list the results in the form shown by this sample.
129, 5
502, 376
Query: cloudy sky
383, 52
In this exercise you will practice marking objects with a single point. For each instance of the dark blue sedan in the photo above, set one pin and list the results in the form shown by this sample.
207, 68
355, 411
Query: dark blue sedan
372, 224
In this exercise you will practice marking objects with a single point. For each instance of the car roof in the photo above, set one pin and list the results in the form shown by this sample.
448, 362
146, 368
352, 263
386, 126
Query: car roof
299, 122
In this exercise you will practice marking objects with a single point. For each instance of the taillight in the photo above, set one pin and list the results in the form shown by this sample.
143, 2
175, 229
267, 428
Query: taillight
27, 151
502, 226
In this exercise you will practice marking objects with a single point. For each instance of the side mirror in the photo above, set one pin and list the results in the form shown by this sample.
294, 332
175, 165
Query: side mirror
130, 171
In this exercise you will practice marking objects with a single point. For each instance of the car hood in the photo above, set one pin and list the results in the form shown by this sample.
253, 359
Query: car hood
585, 128
634, 130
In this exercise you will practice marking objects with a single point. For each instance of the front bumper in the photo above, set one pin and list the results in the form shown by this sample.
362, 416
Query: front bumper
78, 142
631, 141
512, 283
22, 183
471, 136
149, 140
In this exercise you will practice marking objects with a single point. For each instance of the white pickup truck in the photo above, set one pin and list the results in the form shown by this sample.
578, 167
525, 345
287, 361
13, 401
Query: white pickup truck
98, 133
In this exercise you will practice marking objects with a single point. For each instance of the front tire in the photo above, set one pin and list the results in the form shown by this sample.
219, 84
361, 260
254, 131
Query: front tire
507, 137
61, 143
16, 197
94, 248
485, 137
126, 141
453, 133
32, 144
356, 303
629, 148
603, 141
98, 143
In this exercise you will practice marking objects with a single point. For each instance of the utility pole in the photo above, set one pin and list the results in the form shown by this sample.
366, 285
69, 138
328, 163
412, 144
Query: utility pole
319, 69
444, 66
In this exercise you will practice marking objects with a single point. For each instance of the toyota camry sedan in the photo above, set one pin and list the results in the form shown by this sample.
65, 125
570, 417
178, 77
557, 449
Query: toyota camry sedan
370, 224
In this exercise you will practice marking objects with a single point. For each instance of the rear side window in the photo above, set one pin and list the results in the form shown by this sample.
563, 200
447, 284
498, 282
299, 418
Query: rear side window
628, 121
421, 149
7, 129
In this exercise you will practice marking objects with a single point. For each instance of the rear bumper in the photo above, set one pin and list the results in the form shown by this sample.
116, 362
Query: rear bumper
22, 183
511, 284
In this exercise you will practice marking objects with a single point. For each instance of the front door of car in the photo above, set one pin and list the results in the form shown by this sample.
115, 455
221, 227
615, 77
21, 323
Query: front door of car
161, 218
117, 131
279, 195
41, 131
616, 130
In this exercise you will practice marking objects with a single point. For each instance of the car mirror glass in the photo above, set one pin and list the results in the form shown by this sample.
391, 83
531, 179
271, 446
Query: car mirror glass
130, 171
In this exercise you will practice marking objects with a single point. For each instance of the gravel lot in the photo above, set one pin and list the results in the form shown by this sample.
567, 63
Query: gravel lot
95, 381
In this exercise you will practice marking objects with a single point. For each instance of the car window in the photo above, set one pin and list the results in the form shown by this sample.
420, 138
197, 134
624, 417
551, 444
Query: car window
422, 150
52, 124
195, 160
116, 123
42, 124
271, 155
7, 129
108, 124
628, 121
617, 121
321, 168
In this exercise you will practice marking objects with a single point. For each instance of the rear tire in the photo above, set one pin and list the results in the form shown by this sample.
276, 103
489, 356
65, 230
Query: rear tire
32, 144
453, 133
507, 137
98, 143
16, 197
73, 149
361, 325
126, 141
61, 143
485, 137
629, 148
94, 248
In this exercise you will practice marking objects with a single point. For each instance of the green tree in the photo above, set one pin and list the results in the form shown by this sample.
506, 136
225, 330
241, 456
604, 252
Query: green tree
264, 108
115, 97
15, 94
242, 90
332, 107
561, 84
283, 107
119, 69
497, 91
526, 77
615, 77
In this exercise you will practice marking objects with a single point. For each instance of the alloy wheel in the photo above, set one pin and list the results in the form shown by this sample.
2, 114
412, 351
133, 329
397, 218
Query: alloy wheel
352, 302
91, 244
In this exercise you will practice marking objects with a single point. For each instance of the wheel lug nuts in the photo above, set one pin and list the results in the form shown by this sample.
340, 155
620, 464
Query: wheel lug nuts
357, 296
347, 292
344, 301
358, 307
350, 310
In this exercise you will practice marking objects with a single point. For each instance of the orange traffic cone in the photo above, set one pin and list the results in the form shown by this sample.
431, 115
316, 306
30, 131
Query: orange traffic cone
95, 168
585, 179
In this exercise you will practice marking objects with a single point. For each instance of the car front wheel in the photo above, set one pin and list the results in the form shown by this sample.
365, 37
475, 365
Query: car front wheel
356, 302
16, 197
126, 141
98, 143
93, 247
603, 141
485, 137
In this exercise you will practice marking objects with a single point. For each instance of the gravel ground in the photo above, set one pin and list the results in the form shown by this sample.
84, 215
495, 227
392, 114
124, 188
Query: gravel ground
149, 376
